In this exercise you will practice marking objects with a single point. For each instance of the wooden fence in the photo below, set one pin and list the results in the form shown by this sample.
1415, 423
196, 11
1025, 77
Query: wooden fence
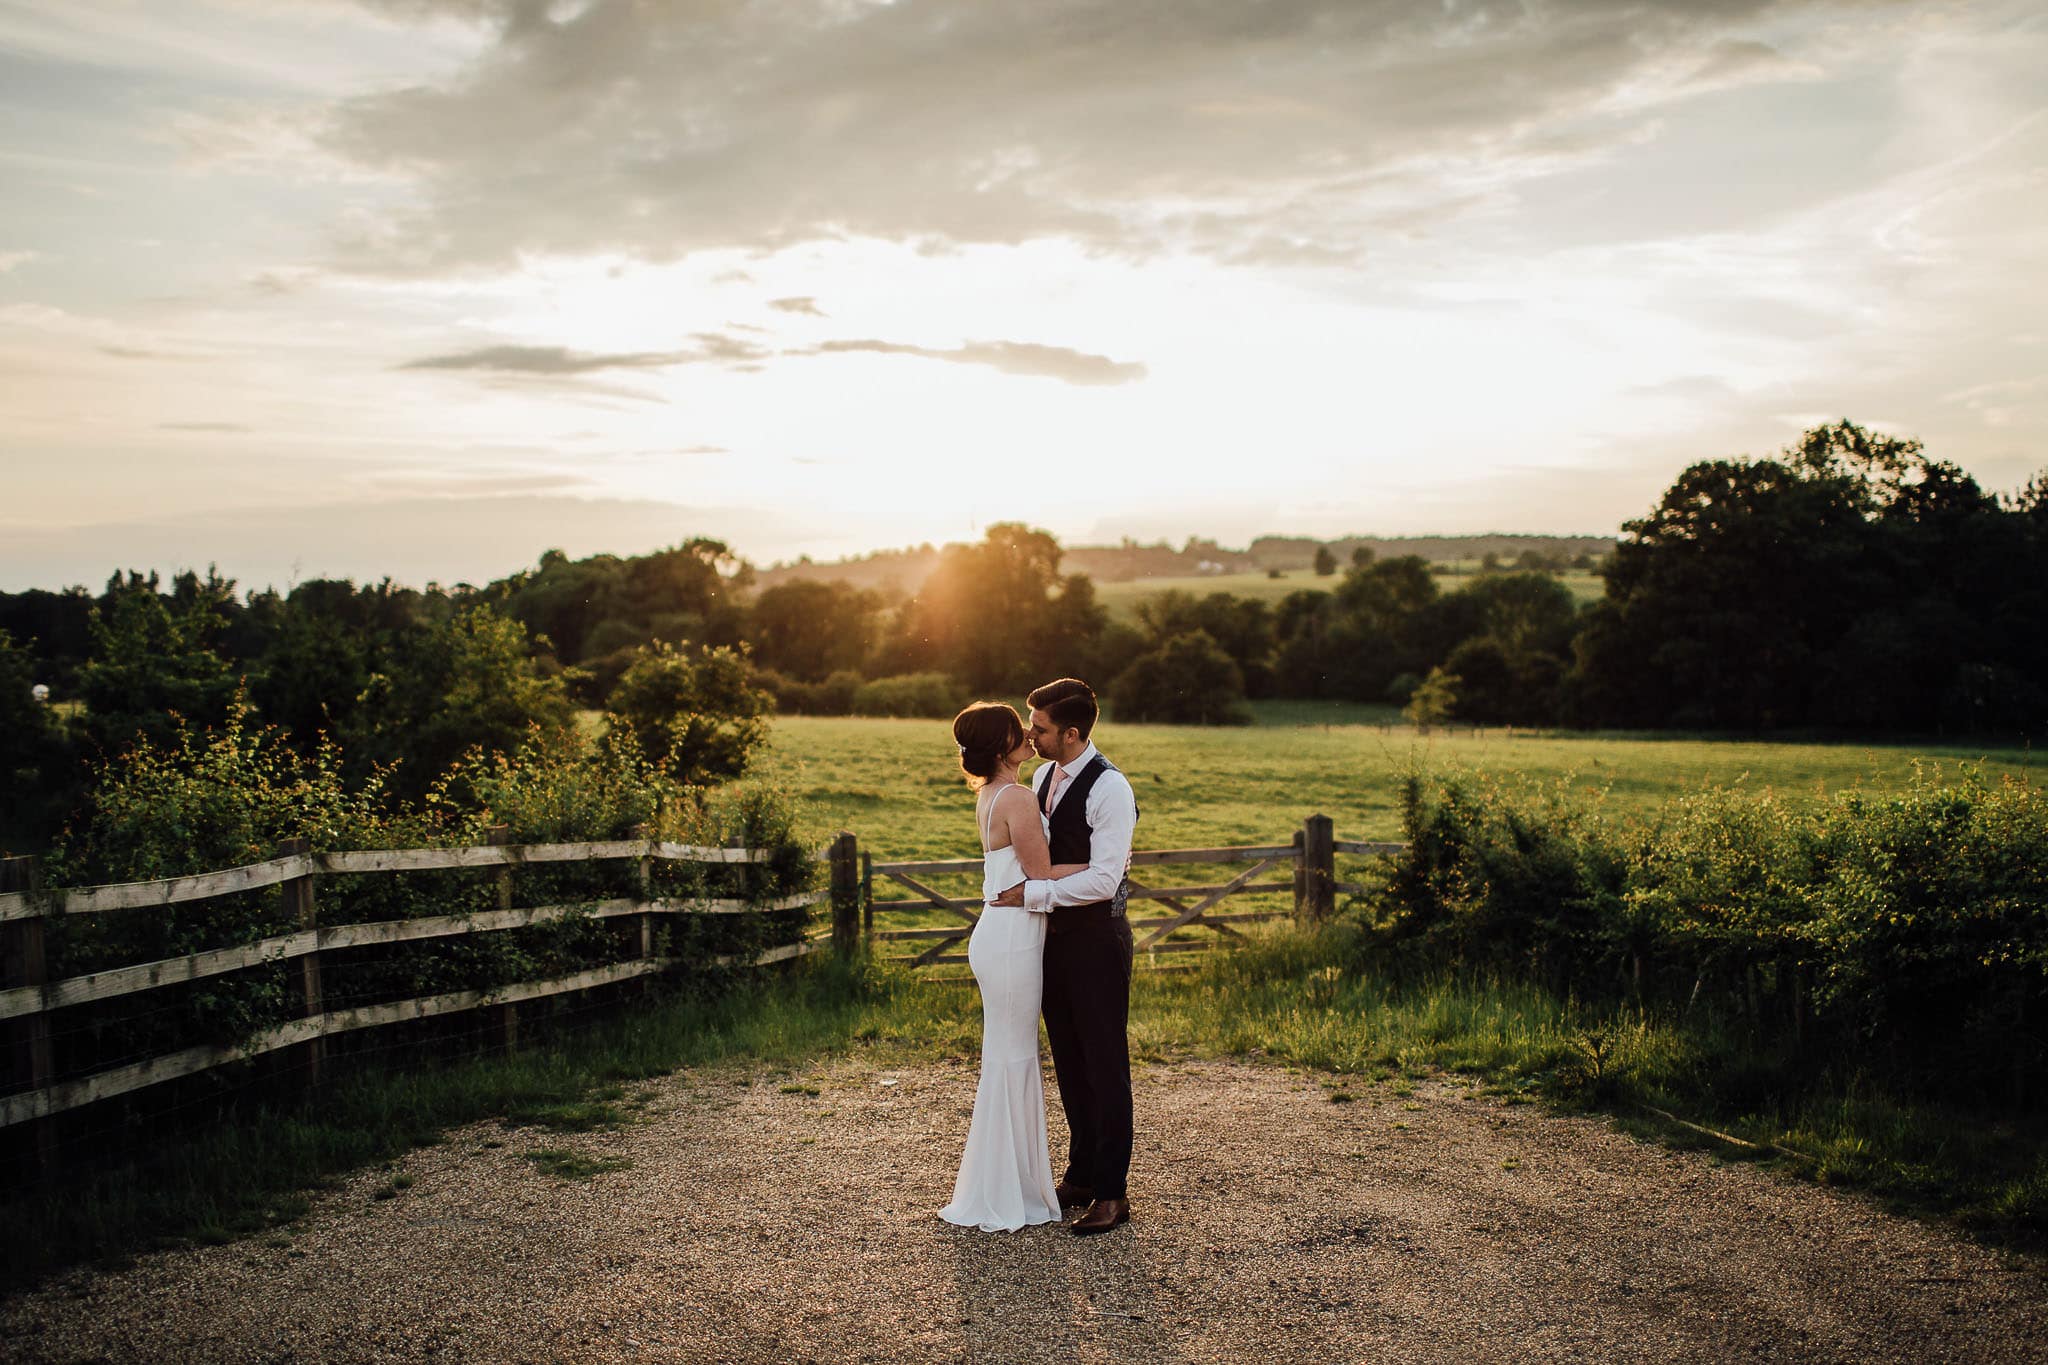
28, 997
1308, 860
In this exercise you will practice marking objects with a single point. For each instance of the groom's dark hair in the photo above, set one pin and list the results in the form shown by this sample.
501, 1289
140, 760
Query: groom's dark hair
1067, 702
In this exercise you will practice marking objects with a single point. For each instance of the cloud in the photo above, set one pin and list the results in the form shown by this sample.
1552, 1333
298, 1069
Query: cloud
10, 259
201, 426
1011, 357
1286, 131
141, 353
807, 306
560, 360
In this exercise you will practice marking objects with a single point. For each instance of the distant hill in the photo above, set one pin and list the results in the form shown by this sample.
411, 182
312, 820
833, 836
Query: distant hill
903, 571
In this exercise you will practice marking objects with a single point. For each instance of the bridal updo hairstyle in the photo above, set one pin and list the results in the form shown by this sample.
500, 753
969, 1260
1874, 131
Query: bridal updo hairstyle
985, 732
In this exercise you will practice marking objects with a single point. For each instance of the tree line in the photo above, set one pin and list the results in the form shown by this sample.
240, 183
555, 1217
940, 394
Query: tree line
1851, 582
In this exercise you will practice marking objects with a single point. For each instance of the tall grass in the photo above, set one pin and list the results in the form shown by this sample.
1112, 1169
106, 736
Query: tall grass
1303, 997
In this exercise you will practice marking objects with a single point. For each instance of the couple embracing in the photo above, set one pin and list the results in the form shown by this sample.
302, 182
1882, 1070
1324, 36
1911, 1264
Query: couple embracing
1051, 938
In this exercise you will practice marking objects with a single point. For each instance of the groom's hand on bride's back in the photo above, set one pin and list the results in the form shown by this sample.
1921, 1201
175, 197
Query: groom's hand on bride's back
1014, 897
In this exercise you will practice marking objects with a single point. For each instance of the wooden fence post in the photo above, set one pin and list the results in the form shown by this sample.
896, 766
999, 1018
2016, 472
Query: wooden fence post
23, 964
508, 1013
867, 893
1319, 862
845, 860
646, 894
1300, 879
300, 909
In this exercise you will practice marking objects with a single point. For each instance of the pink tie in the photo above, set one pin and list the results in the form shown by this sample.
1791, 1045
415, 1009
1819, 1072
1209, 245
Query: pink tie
1052, 797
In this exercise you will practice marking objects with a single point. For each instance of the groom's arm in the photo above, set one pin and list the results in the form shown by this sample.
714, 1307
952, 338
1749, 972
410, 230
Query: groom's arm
1112, 820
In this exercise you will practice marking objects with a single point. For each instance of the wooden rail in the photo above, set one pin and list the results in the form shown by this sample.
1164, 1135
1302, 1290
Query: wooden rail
80, 900
28, 997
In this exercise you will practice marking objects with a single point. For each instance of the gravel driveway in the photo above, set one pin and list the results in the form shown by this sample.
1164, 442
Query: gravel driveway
1271, 1224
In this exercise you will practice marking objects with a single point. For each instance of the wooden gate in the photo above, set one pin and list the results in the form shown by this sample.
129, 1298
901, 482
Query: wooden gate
1304, 868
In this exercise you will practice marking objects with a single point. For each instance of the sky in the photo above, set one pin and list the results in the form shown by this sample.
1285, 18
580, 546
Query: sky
422, 288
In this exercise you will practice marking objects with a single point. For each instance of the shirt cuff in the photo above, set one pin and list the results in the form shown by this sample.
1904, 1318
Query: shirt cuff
1038, 895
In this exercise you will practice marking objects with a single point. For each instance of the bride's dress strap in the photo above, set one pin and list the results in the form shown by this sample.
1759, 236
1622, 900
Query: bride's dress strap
988, 816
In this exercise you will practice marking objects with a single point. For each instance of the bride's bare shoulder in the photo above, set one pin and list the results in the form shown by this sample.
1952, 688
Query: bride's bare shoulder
1015, 797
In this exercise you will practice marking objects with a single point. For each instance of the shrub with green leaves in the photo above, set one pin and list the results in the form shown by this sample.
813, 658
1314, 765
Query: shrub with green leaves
933, 696
1905, 932
218, 799
1187, 680
697, 710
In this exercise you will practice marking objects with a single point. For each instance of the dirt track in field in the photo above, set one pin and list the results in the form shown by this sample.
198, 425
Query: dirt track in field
1270, 1224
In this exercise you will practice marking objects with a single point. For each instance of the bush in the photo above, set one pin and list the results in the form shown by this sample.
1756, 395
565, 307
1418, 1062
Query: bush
213, 800
1434, 700
931, 695
446, 687
698, 711
1188, 680
1917, 921
831, 697
37, 783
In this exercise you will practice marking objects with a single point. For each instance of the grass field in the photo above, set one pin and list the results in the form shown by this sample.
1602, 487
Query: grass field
1122, 598
895, 783
1290, 996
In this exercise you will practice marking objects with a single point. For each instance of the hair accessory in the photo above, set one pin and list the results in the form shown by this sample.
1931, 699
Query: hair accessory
963, 751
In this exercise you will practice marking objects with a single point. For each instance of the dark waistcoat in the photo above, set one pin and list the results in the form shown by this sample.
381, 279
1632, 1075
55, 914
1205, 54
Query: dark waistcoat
1068, 832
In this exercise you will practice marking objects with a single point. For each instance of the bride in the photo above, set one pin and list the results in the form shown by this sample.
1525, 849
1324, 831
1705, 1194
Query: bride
1005, 1179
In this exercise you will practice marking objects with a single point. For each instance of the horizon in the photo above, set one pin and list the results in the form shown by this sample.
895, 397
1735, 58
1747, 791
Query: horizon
347, 288
245, 589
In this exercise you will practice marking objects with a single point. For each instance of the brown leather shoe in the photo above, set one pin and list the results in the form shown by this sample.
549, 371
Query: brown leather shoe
1073, 1196
1102, 1215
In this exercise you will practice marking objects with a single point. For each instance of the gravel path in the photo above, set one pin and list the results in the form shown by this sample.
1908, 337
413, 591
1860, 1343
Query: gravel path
1270, 1224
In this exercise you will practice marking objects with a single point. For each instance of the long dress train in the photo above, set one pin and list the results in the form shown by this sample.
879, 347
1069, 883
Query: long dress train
1005, 1179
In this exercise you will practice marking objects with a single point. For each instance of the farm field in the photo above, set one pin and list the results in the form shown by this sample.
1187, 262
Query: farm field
895, 784
1122, 598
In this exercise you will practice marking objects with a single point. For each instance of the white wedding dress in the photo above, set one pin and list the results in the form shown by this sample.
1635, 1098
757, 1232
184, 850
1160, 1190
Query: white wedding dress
1005, 1179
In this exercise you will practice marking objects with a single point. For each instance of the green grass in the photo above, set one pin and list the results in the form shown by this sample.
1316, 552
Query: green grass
1122, 598
1294, 997
896, 783
565, 1164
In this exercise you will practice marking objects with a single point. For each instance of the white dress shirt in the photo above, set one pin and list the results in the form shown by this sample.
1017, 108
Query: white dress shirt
1112, 819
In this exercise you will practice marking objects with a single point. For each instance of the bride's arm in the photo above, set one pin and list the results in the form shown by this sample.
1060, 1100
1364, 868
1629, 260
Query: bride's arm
1027, 836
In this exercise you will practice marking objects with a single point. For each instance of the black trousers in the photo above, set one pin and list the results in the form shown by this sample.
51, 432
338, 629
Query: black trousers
1087, 1020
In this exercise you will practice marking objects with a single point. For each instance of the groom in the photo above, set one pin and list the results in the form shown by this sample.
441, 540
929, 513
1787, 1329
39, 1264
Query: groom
1091, 812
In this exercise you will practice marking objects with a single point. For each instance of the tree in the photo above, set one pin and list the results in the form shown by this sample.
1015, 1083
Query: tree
589, 607
37, 775
1187, 680
1242, 626
443, 688
998, 615
1435, 701
1325, 562
1380, 627
1301, 661
808, 629
695, 710
152, 662
1850, 580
